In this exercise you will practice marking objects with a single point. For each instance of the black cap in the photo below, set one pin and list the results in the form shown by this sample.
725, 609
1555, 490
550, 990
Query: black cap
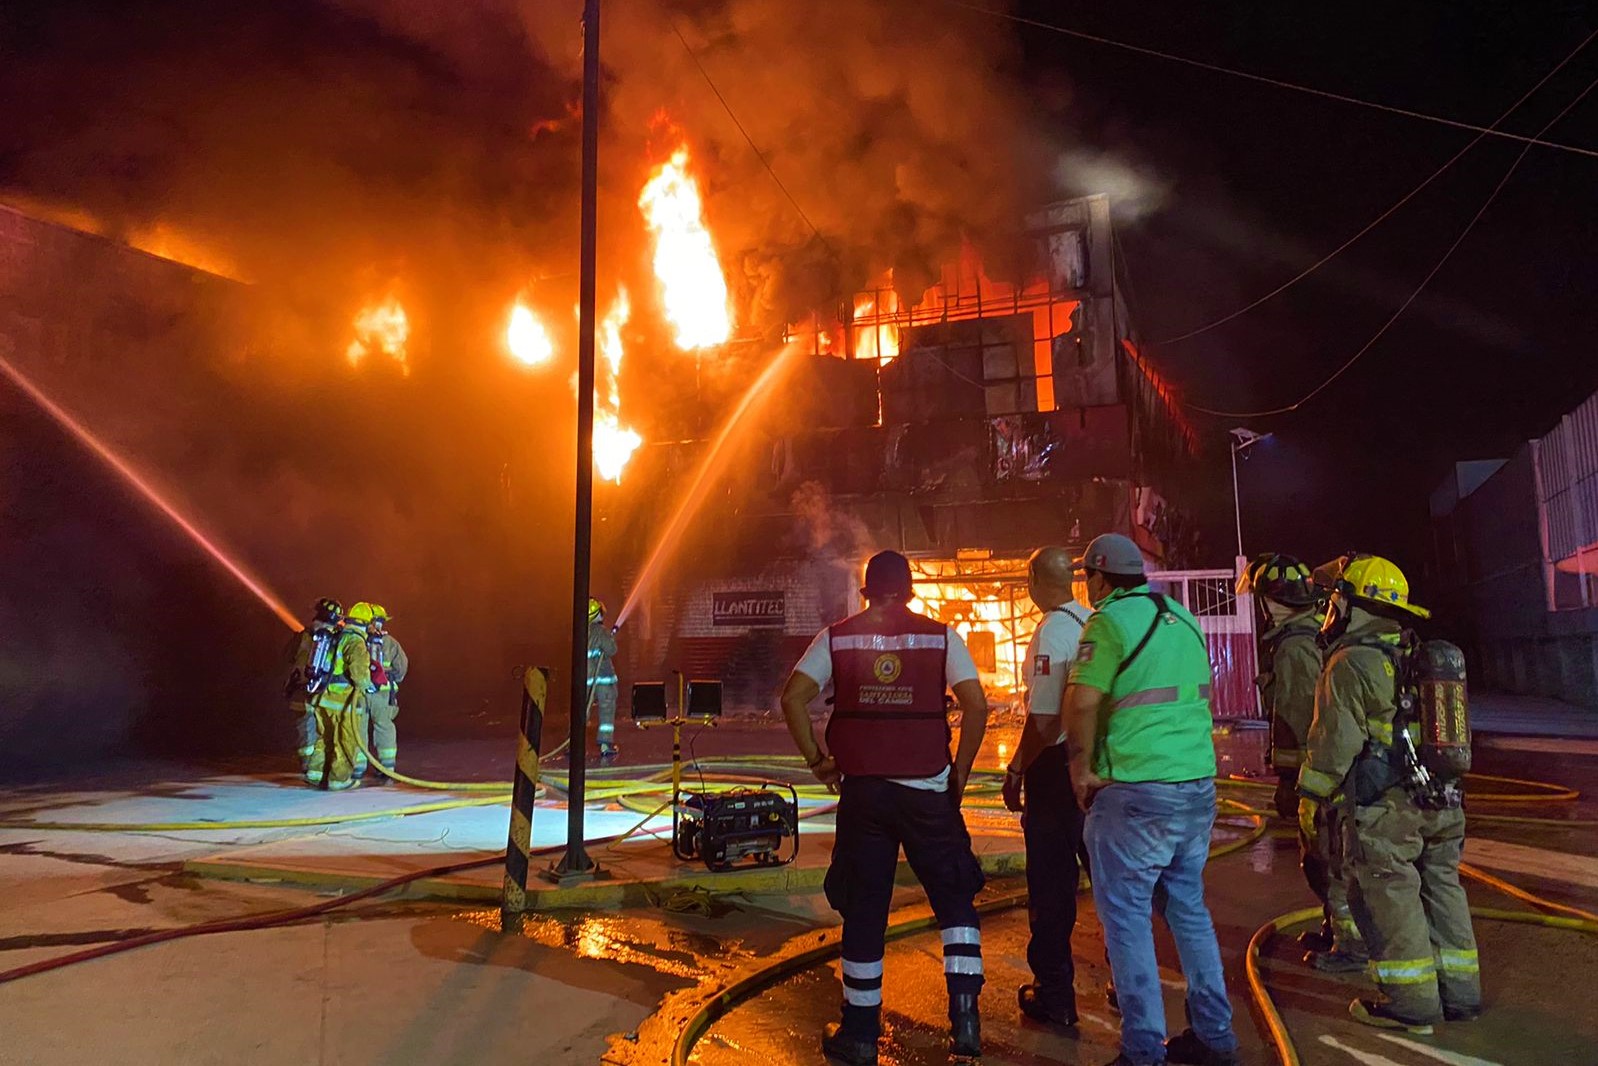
888, 574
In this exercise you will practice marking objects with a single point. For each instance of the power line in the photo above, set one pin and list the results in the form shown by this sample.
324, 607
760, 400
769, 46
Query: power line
1379, 219
1340, 371
747, 139
1279, 83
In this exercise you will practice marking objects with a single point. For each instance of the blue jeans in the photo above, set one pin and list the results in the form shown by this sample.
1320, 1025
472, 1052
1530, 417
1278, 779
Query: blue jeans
1148, 843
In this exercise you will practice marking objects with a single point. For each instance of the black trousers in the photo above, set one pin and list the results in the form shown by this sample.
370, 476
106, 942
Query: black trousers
1054, 859
875, 819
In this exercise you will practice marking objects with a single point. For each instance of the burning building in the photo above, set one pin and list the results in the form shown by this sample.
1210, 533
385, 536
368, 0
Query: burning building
964, 424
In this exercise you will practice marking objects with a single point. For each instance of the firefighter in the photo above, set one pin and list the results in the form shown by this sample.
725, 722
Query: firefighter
1290, 664
1405, 830
1039, 779
1137, 709
887, 753
340, 706
602, 680
310, 655
390, 664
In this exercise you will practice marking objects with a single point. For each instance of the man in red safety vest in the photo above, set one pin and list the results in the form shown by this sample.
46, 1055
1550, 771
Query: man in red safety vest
888, 755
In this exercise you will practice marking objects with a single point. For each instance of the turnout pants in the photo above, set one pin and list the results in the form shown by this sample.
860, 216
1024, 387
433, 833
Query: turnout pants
381, 710
340, 713
305, 740
605, 706
1053, 829
875, 818
1406, 896
1326, 871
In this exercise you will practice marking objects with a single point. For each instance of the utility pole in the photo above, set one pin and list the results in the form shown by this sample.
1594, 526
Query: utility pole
575, 865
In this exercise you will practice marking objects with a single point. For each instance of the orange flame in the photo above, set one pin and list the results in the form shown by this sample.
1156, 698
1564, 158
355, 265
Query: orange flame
693, 289
876, 332
614, 443
381, 329
527, 338
163, 240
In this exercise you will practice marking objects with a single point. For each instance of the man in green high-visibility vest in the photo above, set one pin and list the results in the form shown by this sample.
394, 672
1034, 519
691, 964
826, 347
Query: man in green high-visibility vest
1143, 767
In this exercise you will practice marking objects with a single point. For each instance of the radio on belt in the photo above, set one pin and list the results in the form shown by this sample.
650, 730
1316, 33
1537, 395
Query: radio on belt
724, 828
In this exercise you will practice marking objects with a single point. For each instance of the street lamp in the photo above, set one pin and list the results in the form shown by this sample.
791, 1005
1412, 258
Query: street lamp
1242, 441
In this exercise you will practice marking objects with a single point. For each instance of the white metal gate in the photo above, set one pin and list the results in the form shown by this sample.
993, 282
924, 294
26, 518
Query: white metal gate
1227, 620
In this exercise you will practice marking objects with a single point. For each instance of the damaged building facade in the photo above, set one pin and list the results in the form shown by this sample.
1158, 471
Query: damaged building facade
964, 430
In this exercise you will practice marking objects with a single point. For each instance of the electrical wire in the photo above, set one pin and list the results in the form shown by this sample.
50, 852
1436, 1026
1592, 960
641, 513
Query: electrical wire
1379, 219
1327, 94
1413, 296
750, 141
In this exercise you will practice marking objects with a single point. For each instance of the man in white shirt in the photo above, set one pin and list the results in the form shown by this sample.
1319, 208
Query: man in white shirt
1052, 822
888, 754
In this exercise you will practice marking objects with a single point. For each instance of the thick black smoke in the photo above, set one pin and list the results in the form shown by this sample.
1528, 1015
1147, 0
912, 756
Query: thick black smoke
331, 153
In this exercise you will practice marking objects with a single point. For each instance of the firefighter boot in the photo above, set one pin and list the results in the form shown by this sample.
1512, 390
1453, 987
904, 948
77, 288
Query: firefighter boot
965, 1026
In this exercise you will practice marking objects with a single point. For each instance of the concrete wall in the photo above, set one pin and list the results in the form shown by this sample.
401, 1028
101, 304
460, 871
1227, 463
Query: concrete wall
1488, 560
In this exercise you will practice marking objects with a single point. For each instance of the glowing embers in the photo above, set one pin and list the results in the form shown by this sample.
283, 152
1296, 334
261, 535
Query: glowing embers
381, 329
527, 338
693, 290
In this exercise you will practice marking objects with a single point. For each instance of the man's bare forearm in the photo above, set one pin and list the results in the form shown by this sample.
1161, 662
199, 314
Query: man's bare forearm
796, 698
1080, 710
973, 723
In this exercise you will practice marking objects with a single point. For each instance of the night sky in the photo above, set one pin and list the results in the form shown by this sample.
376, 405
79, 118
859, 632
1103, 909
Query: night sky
1250, 184
1224, 187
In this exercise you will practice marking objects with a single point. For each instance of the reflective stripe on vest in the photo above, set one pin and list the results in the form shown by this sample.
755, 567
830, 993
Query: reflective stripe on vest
888, 718
1158, 722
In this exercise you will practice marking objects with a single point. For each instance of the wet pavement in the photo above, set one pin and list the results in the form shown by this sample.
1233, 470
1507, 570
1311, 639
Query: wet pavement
400, 982
1538, 1011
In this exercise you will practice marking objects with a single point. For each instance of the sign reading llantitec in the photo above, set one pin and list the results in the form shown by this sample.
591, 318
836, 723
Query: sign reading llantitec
749, 608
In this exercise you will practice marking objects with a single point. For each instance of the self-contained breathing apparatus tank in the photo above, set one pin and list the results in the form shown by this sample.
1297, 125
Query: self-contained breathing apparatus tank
374, 650
319, 670
1432, 704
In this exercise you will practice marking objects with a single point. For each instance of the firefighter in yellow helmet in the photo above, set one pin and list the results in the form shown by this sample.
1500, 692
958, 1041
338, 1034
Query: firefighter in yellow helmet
341, 706
1286, 602
602, 680
1405, 828
390, 664
310, 656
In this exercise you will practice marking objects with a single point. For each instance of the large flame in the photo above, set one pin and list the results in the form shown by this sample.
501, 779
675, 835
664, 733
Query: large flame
876, 330
527, 338
693, 290
383, 329
614, 443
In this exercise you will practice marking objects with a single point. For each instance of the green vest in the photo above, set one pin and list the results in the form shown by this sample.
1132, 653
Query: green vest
1158, 723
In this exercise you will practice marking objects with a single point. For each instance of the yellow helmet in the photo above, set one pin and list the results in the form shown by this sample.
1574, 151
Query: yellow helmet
1370, 577
596, 610
361, 614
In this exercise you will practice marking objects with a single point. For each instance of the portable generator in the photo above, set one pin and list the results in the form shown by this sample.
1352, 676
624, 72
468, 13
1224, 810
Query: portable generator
726, 828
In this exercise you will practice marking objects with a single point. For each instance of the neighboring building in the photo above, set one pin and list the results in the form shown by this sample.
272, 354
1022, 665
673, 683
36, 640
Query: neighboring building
1516, 553
965, 430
